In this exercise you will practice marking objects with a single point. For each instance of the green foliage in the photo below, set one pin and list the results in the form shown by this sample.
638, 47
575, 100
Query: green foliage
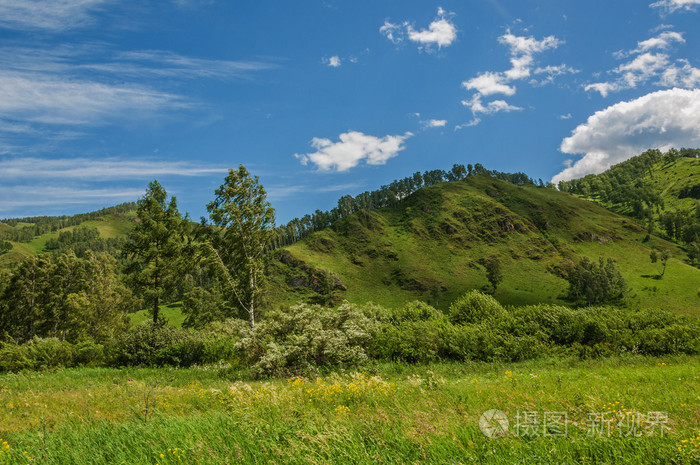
202, 306
596, 283
244, 220
494, 272
155, 246
298, 339
67, 297
5, 247
475, 307
415, 311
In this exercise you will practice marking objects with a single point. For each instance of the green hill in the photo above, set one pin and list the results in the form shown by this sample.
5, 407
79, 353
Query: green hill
434, 244
32, 236
646, 185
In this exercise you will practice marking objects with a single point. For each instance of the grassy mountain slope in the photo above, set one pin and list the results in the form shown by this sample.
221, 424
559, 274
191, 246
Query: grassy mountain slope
672, 179
109, 225
439, 238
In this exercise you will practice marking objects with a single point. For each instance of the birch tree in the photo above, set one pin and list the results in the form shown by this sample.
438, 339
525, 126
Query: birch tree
244, 226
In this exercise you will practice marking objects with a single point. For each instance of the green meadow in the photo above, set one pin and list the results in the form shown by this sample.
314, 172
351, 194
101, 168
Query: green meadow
388, 413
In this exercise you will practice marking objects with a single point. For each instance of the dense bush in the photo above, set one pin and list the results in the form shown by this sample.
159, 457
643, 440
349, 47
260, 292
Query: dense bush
152, 344
298, 340
475, 307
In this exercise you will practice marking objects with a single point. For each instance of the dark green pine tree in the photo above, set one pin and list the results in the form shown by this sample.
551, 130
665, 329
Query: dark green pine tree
154, 246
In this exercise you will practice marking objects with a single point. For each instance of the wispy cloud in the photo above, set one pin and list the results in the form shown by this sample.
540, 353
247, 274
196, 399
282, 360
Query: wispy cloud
21, 197
441, 32
91, 170
49, 15
91, 85
671, 6
31, 183
36, 97
434, 123
352, 148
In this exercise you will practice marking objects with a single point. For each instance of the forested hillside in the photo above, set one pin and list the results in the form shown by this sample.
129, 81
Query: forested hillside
98, 231
659, 190
437, 243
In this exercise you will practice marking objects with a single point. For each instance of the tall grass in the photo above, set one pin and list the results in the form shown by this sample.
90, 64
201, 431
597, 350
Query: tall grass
392, 413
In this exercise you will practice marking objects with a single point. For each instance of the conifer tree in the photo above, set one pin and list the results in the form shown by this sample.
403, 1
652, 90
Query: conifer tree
154, 246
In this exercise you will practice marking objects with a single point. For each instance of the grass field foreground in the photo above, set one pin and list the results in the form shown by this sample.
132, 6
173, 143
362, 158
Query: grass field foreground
386, 414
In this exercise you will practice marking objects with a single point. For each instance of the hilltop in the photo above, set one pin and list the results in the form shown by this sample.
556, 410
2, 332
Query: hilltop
433, 246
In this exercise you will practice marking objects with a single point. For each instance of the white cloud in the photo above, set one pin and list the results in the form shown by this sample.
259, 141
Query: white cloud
646, 65
660, 119
90, 170
333, 62
393, 32
352, 148
468, 124
552, 72
441, 32
434, 123
16, 199
495, 106
642, 68
90, 85
686, 75
528, 46
50, 15
27, 182
566, 116
522, 60
671, 6
489, 83
42, 98
662, 41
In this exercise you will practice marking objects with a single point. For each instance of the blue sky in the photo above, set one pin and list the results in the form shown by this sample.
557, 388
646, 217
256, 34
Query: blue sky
326, 98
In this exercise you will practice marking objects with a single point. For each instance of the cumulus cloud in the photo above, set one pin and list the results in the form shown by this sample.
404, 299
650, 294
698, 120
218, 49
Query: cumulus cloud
647, 64
489, 84
662, 41
670, 6
333, 62
440, 33
522, 60
660, 119
681, 74
352, 148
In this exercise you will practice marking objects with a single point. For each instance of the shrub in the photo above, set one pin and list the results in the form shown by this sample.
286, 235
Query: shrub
298, 339
475, 307
415, 311
410, 341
